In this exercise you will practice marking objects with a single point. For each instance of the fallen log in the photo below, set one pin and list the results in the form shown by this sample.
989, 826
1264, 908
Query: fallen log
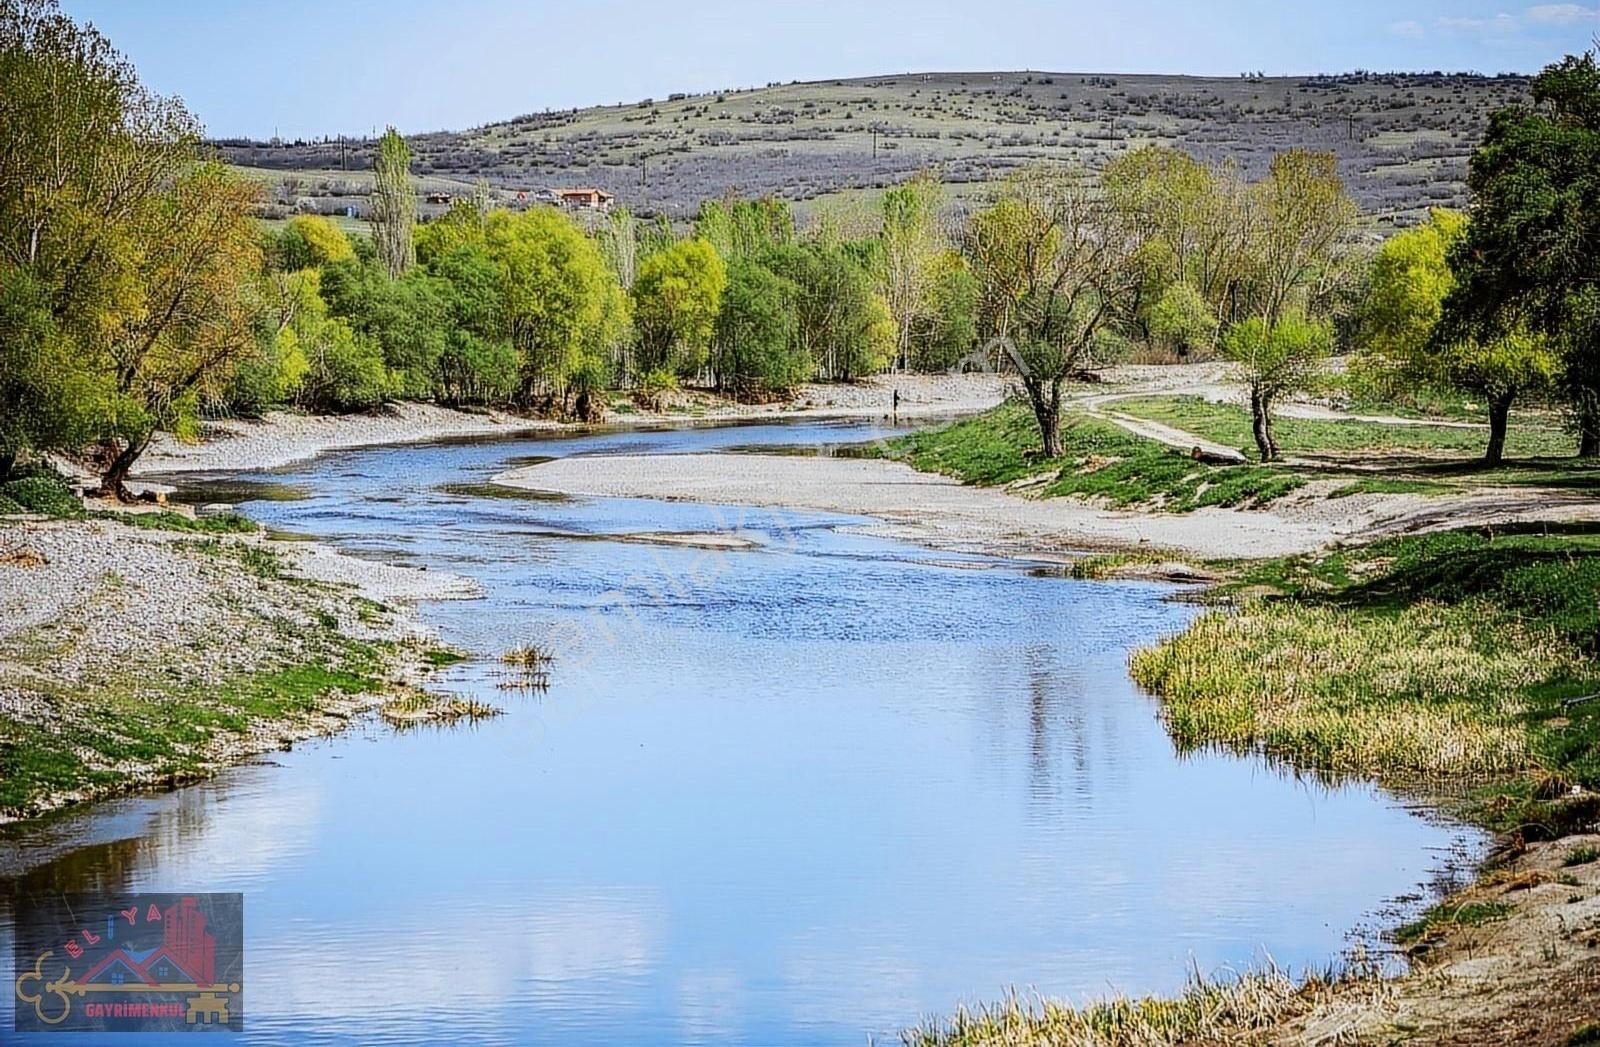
1200, 454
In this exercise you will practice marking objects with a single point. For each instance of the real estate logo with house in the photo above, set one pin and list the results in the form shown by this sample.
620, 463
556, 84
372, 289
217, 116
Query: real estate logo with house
130, 963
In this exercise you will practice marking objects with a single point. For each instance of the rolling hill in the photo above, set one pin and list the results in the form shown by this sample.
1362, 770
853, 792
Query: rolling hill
1402, 139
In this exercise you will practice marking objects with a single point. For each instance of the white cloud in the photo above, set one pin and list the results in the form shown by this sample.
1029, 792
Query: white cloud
1410, 28
1562, 14
1500, 25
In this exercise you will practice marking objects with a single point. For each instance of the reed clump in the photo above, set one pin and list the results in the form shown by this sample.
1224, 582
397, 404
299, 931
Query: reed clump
527, 656
416, 707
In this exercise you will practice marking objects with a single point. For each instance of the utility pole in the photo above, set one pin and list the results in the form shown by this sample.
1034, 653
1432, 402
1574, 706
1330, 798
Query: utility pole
874, 143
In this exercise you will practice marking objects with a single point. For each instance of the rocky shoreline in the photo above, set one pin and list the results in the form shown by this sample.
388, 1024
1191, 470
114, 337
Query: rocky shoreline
134, 657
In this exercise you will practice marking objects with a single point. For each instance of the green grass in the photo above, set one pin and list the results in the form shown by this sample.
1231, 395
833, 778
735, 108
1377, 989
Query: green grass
40, 491
1585, 1036
1423, 657
1229, 424
123, 720
442, 657
1581, 856
1446, 915
264, 563
1102, 461
1392, 485
1108, 565
224, 523
1204, 1012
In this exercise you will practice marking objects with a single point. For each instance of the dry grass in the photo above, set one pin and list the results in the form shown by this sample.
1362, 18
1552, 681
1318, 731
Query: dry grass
1431, 689
1231, 1010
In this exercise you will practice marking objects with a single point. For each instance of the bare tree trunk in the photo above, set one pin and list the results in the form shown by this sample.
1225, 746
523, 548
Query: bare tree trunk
1045, 396
8, 461
113, 484
1589, 432
1261, 426
1499, 420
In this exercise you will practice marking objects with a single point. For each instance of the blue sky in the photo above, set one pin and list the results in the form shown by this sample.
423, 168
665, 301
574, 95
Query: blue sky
305, 68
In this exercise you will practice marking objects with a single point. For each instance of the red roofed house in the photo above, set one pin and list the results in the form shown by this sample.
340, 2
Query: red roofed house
585, 199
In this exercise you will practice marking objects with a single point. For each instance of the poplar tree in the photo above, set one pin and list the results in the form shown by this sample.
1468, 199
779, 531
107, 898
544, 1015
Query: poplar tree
394, 204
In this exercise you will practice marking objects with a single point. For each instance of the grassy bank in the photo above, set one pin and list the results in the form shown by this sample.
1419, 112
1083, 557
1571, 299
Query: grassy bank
1229, 424
1102, 461
1447, 658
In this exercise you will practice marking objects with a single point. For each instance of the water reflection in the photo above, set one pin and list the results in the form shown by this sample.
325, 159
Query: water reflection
789, 794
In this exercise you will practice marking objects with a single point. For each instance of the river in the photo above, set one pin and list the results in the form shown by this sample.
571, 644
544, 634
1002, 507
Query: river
798, 793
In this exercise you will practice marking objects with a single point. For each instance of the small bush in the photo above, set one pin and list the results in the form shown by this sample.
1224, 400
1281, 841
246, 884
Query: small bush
41, 492
654, 388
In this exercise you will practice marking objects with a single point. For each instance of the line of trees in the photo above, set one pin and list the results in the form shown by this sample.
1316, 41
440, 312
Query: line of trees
137, 293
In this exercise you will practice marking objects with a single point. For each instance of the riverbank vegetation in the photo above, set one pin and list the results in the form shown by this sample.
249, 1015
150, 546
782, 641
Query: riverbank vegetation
1355, 440
1099, 460
1461, 657
1207, 1011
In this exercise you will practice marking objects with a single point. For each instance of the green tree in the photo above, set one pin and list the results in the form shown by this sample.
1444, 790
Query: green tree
317, 359
745, 227
394, 203
1529, 256
949, 330
1501, 369
187, 314
756, 354
1278, 359
309, 240
841, 323
1186, 227
1055, 266
1299, 217
1410, 281
675, 301
50, 394
478, 363
561, 305
91, 164
1182, 320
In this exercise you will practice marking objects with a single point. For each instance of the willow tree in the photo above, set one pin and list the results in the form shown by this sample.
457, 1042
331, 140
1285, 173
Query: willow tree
188, 309
560, 302
125, 262
1298, 218
1055, 265
394, 204
1293, 225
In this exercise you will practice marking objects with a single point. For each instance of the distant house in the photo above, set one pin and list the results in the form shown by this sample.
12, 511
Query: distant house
438, 198
585, 199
